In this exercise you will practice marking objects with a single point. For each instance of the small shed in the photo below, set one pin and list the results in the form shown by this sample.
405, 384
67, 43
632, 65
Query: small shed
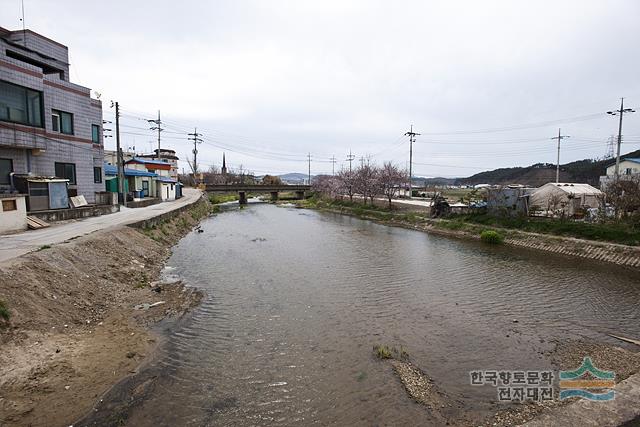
565, 199
44, 192
166, 188
509, 200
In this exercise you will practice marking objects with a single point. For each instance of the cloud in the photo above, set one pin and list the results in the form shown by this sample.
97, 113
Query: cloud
290, 77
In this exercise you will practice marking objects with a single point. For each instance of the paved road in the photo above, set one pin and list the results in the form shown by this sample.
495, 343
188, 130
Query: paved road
14, 245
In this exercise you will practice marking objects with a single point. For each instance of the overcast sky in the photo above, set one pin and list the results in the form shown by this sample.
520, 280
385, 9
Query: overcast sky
270, 81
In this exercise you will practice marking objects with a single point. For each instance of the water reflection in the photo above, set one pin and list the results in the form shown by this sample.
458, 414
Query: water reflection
296, 300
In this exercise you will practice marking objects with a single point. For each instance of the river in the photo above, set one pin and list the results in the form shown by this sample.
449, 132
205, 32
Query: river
296, 299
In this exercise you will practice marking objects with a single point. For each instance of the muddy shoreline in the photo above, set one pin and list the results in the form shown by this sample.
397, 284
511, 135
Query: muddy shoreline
74, 330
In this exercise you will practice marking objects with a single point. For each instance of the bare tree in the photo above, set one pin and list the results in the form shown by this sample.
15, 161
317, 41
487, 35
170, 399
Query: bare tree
366, 181
555, 202
346, 180
271, 180
390, 179
326, 185
624, 195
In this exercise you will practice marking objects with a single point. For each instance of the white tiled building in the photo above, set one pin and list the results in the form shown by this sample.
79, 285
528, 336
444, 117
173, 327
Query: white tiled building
48, 125
629, 168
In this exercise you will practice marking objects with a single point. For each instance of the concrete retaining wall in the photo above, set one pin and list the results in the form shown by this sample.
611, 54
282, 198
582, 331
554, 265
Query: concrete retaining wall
157, 220
600, 251
607, 252
143, 203
75, 213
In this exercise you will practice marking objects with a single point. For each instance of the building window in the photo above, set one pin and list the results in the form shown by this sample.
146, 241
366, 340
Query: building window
9, 205
62, 122
97, 175
95, 134
66, 171
6, 167
20, 105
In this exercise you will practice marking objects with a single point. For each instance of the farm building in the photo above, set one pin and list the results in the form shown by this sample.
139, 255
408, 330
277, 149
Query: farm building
565, 199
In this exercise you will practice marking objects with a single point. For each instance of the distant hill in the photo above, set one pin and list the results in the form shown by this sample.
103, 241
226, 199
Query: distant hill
294, 177
584, 171
429, 182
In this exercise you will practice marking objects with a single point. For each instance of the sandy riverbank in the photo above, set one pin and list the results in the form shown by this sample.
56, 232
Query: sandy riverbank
73, 330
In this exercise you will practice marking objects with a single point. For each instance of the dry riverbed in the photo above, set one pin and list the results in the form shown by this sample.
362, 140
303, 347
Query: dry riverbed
74, 330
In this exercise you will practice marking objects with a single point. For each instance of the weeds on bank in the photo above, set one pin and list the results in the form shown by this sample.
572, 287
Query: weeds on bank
386, 352
623, 232
216, 199
43, 247
5, 315
492, 237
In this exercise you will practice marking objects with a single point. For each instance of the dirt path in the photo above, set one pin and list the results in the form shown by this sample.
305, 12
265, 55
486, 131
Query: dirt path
73, 330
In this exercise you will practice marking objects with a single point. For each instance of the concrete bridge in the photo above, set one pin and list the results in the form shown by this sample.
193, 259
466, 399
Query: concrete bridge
243, 189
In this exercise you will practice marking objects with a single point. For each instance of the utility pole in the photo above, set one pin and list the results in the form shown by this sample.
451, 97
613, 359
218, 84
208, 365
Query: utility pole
309, 158
158, 127
620, 112
412, 138
350, 159
333, 165
122, 199
560, 137
195, 137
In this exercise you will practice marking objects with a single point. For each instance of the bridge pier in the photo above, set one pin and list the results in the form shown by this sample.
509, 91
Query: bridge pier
274, 196
243, 197
299, 195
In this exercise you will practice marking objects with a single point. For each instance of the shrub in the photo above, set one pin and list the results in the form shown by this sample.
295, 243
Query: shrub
382, 352
4, 311
492, 237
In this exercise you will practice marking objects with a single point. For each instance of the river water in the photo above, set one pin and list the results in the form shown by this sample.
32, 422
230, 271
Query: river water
296, 299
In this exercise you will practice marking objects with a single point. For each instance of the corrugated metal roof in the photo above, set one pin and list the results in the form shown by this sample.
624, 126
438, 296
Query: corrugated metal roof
113, 170
148, 161
166, 179
630, 159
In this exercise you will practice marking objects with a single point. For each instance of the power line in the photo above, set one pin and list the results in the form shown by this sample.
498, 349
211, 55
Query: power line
521, 127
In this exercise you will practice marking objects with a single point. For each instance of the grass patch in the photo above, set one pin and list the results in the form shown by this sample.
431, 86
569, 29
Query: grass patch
492, 237
43, 247
382, 352
622, 232
386, 352
216, 199
5, 315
